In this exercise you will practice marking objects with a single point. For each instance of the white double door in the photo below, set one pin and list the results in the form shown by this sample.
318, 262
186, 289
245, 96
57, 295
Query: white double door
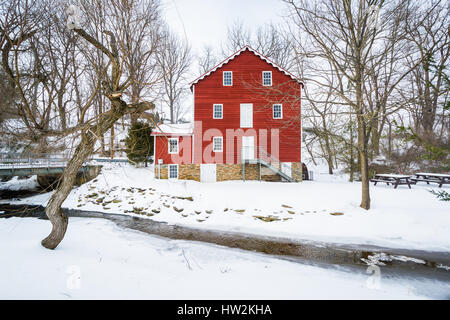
208, 172
248, 148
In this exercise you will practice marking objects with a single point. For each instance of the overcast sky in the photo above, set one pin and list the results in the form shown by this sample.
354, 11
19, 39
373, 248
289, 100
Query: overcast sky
205, 22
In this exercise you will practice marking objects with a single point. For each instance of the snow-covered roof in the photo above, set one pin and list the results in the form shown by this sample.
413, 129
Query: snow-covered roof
237, 53
181, 129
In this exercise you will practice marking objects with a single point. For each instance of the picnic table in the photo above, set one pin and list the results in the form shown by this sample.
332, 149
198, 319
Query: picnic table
394, 179
428, 177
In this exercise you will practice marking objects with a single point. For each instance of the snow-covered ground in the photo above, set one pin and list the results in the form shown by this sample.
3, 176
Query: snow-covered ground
323, 210
16, 184
98, 260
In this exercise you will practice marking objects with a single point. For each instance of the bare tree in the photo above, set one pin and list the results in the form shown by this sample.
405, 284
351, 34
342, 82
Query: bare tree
237, 37
206, 60
321, 118
7, 99
428, 95
23, 24
174, 61
138, 36
270, 40
351, 36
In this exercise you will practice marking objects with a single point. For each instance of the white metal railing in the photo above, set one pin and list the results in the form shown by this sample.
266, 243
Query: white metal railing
33, 163
18, 161
258, 153
262, 154
269, 158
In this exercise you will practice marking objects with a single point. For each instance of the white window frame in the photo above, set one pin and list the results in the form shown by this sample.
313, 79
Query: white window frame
267, 85
223, 78
168, 171
214, 110
178, 146
281, 111
221, 144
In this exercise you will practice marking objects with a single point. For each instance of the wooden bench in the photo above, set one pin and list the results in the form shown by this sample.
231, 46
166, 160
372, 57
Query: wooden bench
425, 180
394, 179
438, 178
381, 180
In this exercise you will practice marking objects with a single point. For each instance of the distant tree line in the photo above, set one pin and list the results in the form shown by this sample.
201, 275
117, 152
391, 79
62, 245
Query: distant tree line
377, 81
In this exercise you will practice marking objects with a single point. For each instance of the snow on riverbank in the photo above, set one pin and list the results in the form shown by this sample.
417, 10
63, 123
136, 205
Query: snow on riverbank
313, 210
16, 184
98, 260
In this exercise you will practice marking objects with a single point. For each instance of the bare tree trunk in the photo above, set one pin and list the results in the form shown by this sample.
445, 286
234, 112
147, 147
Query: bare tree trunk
329, 154
313, 159
102, 135
352, 158
112, 142
53, 210
364, 165
376, 136
390, 141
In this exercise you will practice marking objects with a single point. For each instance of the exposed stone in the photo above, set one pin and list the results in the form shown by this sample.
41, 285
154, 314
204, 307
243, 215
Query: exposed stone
297, 171
267, 219
161, 171
336, 213
189, 172
226, 171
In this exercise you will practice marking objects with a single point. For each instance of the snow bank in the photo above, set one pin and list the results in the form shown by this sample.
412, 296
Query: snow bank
313, 210
16, 184
98, 260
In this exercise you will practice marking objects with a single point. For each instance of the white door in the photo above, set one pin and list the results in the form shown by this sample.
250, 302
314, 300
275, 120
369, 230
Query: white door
246, 115
248, 148
286, 168
208, 172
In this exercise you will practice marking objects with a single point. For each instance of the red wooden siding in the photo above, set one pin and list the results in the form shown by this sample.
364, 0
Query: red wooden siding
162, 150
247, 87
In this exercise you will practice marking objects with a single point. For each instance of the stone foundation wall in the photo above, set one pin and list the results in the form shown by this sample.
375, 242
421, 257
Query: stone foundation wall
226, 172
189, 172
164, 171
297, 171
271, 178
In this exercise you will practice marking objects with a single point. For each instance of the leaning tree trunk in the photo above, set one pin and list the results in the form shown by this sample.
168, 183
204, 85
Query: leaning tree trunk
86, 147
53, 210
105, 122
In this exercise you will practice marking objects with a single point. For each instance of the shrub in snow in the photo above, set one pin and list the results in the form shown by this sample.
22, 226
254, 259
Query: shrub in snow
441, 195
139, 143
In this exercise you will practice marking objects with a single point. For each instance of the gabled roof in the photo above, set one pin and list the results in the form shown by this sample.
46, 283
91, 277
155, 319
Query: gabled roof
237, 53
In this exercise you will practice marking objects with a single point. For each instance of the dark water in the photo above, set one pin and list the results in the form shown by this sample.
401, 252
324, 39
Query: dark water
11, 194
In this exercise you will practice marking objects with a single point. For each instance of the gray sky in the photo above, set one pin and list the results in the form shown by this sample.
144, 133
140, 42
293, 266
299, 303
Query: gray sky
205, 22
